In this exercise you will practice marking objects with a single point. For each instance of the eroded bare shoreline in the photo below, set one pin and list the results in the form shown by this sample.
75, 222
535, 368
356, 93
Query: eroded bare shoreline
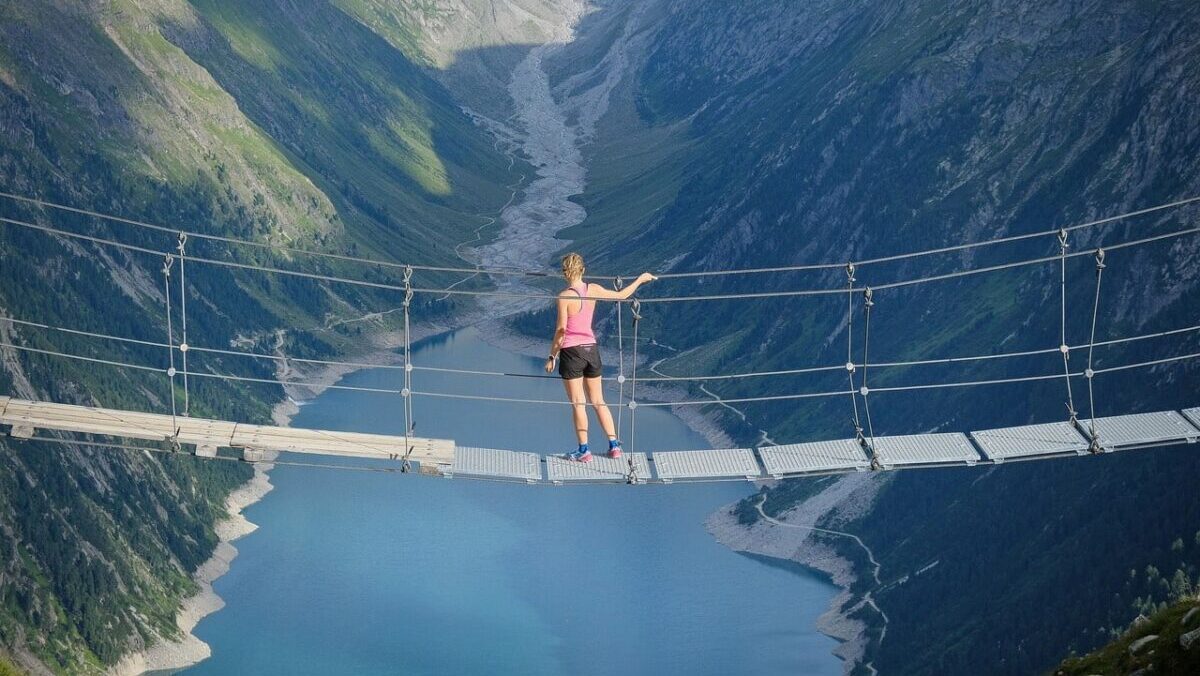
844, 498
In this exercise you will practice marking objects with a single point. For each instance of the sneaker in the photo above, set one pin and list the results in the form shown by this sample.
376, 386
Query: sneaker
580, 456
614, 449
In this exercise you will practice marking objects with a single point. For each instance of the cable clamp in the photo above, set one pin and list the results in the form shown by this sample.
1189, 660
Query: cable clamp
868, 294
618, 283
1062, 239
182, 242
1100, 259
408, 292
1094, 446
406, 464
636, 308
168, 261
850, 269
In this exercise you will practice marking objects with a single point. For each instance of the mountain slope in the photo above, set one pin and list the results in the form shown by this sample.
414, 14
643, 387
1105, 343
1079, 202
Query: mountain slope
763, 134
1154, 645
260, 122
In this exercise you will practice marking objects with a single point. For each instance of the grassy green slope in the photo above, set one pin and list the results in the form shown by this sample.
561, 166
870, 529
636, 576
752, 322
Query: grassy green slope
407, 169
1161, 655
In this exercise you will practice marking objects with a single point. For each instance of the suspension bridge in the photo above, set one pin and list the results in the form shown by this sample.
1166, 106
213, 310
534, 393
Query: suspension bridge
177, 431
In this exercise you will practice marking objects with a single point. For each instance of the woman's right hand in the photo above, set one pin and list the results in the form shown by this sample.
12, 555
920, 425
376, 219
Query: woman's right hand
549, 364
645, 277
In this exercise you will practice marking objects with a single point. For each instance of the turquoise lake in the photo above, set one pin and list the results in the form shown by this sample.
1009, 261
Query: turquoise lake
371, 573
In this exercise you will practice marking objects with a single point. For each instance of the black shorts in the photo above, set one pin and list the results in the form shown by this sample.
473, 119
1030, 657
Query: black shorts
580, 361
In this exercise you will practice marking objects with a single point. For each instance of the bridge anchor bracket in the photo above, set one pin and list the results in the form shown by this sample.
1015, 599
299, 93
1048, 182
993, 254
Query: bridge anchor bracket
22, 431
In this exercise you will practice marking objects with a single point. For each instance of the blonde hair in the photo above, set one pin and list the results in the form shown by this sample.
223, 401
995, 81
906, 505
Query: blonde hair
572, 266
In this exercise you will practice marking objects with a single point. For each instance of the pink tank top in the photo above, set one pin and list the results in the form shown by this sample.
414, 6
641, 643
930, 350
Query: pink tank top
579, 325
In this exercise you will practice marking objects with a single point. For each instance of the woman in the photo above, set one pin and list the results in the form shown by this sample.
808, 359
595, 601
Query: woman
575, 343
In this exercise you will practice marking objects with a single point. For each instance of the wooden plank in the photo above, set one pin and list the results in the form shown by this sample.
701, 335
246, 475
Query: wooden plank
3, 404
350, 444
110, 422
218, 433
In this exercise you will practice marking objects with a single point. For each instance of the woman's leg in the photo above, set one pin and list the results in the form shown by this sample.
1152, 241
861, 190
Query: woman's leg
575, 395
595, 393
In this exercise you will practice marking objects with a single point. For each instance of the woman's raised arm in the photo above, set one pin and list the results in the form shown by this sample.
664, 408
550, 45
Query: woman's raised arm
601, 293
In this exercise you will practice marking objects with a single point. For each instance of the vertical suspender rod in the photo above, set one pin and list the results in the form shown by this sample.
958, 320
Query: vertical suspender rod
183, 345
1094, 446
168, 261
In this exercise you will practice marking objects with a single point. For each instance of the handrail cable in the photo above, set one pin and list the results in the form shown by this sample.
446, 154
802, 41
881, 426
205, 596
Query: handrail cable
929, 252
692, 402
544, 273
643, 379
659, 299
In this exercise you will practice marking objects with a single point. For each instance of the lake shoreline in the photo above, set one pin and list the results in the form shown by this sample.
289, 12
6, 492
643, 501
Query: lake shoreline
798, 544
188, 650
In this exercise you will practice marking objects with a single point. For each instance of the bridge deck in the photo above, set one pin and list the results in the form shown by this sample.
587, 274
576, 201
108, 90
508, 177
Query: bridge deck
1030, 441
440, 456
716, 464
814, 458
1142, 429
28, 416
601, 469
925, 450
489, 462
